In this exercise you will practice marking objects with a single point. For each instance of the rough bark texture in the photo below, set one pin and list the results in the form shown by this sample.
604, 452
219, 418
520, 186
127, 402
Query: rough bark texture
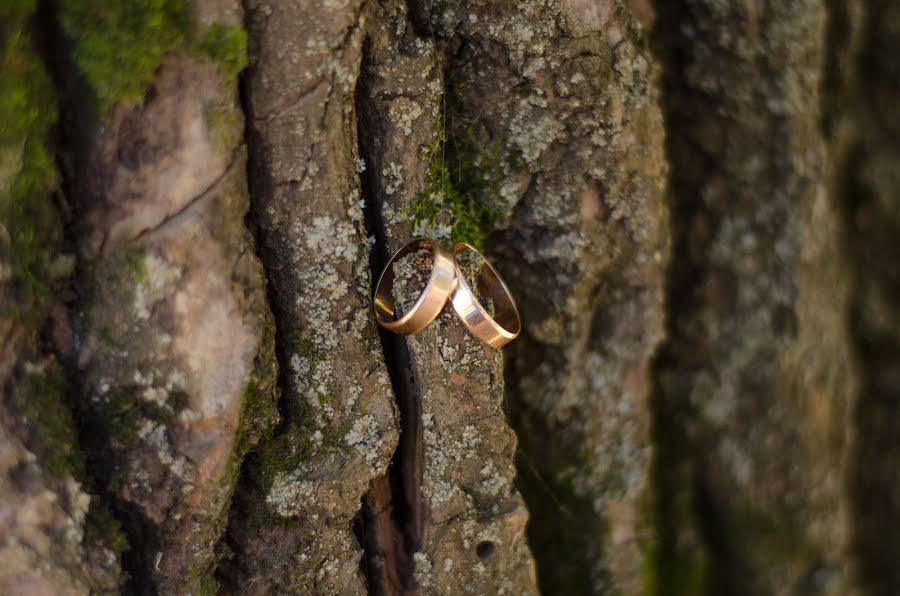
175, 334
583, 239
694, 202
756, 380
465, 524
292, 525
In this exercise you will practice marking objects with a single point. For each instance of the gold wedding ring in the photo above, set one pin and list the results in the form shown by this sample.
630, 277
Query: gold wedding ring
448, 281
499, 329
432, 299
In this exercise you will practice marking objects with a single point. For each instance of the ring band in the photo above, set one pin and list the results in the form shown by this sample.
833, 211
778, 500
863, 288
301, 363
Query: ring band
432, 299
499, 329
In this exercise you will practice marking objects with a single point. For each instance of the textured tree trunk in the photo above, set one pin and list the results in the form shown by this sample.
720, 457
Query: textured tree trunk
694, 202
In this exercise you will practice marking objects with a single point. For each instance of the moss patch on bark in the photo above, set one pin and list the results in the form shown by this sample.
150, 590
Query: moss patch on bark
462, 184
118, 45
29, 222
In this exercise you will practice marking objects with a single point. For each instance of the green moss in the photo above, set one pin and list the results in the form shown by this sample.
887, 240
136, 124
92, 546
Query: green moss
776, 538
101, 528
226, 47
119, 45
677, 562
304, 347
287, 451
13, 14
51, 430
113, 422
29, 222
121, 413
295, 445
325, 399
224, 123
108, 337
296, 442
200, 579
462, 181
307, 350
669, 568
290, 449
259, 413
132, 259
166, 414
207, 584
675, 576
257, 418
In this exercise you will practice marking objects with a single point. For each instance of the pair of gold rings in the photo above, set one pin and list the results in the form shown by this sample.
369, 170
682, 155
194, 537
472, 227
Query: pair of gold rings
447, 281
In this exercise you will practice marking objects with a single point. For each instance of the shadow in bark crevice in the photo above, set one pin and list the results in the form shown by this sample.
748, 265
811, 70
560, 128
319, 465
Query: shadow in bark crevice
78, 119
677, 501
392, 510
863, 94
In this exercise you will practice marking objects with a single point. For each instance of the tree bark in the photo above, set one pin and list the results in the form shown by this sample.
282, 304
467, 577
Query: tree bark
757, 371
694, 203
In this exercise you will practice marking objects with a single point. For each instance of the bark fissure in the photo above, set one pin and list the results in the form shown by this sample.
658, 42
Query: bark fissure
464, 530
865, 126
393, 504
677, 497
76, 120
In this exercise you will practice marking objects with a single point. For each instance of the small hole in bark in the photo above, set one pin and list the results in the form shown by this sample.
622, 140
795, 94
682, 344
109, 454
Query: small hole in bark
485, 550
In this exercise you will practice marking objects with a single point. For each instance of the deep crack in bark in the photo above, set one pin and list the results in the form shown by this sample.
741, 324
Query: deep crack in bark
675, 495
392, 507
73, 130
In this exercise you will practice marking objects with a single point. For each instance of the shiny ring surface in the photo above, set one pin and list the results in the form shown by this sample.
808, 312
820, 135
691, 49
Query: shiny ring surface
499, 329
432, 299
